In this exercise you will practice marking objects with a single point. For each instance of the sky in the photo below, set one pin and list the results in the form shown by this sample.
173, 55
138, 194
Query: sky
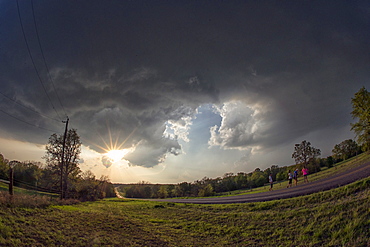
174, 91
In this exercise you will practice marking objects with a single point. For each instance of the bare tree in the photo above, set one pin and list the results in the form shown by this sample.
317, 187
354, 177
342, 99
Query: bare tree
64, 162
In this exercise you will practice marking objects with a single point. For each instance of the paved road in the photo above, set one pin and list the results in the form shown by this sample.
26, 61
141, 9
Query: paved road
117, 193
341, 179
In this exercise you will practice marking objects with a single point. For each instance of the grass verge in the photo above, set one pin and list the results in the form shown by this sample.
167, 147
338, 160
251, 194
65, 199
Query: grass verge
325, 173
339, 217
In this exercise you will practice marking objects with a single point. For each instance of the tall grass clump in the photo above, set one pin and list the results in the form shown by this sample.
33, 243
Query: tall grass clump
23, 201
31, 201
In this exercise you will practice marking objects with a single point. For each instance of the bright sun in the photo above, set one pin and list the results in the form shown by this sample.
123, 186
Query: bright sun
116, 155
113, 149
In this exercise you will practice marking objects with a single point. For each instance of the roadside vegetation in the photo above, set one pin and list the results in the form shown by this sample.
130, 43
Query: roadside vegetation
256, 181
40, 179
60, 175
339, 217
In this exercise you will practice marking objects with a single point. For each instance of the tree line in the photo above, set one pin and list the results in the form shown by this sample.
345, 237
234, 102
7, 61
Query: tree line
305, 155
83, 186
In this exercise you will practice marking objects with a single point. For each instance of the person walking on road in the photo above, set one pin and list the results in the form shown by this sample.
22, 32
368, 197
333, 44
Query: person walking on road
305, 174
295, 176
290, 178
271, 182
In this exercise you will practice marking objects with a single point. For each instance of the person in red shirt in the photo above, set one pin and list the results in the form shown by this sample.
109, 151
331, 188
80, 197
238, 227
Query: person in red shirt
305, 174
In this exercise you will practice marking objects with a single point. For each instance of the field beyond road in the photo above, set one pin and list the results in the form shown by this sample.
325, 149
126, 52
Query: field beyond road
337, 217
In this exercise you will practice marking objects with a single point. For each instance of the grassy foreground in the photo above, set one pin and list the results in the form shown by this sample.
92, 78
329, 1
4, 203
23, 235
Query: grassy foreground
339, 217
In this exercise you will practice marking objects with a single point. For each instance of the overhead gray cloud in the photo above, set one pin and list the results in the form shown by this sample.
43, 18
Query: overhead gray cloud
136, 72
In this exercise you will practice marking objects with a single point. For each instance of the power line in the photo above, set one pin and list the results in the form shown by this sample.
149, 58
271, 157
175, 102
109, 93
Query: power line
23, 121
28, 107
33, 62
36, 188
43, 57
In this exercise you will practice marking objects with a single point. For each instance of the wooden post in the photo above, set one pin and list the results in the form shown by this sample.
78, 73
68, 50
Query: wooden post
11, 175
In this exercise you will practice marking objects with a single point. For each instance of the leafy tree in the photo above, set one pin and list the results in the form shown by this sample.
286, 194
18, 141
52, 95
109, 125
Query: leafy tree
178, 191
282, 175
163, 193
361, 111
346, 149
88, 188
329, 161
155, 190
143, 189
304, 152
228, 182
258, 178
183, 189
324, 162
241, 180
146, 191
274, 170
131, 191
170, 190
50, 180
313, 166
27, 175
4, 168
65, 166
206, 191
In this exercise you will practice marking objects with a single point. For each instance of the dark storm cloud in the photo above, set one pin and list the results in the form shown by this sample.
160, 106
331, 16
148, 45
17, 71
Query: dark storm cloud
129, 67
133, 109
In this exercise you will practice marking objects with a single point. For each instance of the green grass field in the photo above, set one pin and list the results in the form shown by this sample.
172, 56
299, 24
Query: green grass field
339, 217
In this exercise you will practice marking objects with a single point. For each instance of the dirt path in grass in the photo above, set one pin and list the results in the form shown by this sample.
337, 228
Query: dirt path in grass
335, 181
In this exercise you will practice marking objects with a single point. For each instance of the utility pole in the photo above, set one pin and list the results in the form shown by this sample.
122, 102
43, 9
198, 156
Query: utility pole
62, 165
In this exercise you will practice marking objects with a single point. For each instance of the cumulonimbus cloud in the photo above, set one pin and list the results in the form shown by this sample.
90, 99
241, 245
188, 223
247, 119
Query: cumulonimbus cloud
239, 127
